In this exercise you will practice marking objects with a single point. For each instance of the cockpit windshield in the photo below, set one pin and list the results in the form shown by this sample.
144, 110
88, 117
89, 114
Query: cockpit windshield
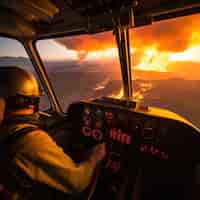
165, 59
82, 67
166, 65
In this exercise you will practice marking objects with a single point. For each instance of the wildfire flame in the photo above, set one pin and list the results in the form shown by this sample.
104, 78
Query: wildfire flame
137, 95
119, 95
153, 48
158, 45
154, 60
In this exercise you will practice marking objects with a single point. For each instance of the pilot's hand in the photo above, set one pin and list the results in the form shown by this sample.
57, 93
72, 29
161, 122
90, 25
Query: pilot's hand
98, 153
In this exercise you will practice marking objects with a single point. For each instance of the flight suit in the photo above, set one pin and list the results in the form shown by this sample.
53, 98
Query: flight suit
40, 159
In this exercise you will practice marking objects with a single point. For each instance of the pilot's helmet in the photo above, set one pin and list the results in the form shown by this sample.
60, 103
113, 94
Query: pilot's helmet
19, 88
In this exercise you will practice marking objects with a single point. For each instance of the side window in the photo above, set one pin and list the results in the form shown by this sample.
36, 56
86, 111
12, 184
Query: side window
12, 53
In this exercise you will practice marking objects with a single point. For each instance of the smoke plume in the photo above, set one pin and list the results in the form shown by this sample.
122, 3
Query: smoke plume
174, 35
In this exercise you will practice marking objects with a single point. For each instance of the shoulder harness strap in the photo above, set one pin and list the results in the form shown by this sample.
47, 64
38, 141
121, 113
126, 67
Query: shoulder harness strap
12, 138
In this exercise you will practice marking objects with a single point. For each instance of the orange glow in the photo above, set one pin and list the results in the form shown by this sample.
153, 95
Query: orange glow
153, 60
137, 96
195, 38
153, 48
190, 54
109, 53
102, 54
140, 94
102, 85
119, 95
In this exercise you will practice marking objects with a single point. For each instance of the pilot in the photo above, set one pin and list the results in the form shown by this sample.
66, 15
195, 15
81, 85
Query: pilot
28, 154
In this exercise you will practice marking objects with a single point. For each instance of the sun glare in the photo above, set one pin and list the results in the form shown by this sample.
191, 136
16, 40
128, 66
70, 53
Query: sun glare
53, 51
110, 53
192, 54
102, 54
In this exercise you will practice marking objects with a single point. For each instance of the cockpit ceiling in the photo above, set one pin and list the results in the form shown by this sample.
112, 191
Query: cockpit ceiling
43, 18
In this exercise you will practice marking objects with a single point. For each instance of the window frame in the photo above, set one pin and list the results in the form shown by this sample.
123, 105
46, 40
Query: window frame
22, 43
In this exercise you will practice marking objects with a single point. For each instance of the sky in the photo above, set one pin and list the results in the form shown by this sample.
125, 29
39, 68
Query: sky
10, 47
13, 48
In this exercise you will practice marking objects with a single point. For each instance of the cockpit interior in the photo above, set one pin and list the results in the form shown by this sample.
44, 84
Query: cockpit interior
152, 152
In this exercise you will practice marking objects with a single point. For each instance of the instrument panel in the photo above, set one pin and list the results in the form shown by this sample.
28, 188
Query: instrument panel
138, 141
126, 131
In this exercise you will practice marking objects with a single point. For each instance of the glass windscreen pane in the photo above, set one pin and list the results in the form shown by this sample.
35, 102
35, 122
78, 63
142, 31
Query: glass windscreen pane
12, 53
82, 67
166, 65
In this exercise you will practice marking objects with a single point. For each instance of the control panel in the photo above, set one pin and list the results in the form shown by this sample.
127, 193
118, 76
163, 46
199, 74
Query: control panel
133, 137
127, 131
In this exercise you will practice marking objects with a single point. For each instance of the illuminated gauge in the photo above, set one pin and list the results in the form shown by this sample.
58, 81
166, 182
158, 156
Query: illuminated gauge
94, 133
97, 134
120, 136
87, 111
86, 121
86, 131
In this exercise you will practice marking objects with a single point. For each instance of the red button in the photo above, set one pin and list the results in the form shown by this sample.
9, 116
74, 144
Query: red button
97, 134
86, 131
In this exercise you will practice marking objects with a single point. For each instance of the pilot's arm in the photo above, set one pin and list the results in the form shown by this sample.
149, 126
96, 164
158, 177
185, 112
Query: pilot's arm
42, 160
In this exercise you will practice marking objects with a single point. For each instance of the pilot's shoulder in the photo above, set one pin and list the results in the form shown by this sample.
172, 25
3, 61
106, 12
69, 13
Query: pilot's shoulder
37, 134
36, 137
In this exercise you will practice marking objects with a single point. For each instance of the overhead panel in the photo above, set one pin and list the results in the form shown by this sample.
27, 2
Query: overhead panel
67, 17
